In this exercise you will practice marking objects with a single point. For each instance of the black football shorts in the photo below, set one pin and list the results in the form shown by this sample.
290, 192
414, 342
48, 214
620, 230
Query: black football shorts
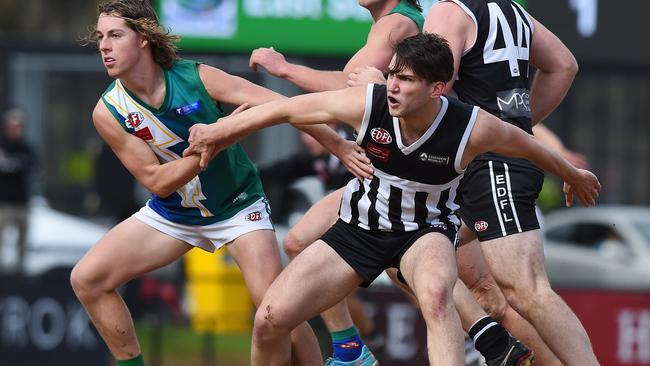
498, 198
370, 252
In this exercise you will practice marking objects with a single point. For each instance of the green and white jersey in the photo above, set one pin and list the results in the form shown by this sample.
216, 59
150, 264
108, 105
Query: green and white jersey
410, 11
228, 185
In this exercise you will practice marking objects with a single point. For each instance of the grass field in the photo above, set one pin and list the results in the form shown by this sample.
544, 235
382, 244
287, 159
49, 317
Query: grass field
179, 345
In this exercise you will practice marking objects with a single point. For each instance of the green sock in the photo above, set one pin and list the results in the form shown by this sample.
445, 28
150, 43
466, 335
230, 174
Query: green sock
345, 333
135, 361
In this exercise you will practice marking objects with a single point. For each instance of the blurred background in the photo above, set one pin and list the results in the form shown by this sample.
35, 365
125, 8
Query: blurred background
63, 188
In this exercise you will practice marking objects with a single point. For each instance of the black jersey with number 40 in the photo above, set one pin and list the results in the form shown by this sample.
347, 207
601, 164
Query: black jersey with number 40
493, 74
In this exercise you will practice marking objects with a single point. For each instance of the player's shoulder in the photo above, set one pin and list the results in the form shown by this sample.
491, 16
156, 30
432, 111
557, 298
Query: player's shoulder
450, 10
212, 76
103, 119
395, 21
100, 112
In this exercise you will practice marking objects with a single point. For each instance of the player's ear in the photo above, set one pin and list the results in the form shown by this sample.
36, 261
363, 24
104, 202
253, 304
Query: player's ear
437, 89
144, 42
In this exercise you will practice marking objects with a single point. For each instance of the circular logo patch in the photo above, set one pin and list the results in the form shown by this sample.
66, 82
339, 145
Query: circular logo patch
480, 226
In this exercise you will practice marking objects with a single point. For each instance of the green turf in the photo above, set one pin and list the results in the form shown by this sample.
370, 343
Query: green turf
179, 345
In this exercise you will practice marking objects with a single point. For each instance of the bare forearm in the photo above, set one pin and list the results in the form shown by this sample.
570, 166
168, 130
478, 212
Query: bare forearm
233, 128
313, 80
545, 158
325, 135
169, 177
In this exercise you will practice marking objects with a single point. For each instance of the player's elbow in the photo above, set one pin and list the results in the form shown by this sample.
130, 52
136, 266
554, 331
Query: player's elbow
567, 65
571, 65
158, 187
162, 191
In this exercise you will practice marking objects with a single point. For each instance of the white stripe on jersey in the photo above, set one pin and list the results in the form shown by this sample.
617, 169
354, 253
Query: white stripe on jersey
426, 135
366, 114
530, 20
408, 189
471, 15
162, 139
463, 141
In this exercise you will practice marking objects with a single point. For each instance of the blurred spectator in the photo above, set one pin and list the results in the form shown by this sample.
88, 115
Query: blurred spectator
16, 161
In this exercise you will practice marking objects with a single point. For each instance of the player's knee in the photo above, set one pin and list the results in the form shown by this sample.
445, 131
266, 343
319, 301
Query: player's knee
525, 299
88, 283
435, 300
267, 326
83, 283
294, 244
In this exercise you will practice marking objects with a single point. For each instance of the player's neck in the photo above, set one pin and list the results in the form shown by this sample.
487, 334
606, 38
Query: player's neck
147, 82
416, 123
379, 10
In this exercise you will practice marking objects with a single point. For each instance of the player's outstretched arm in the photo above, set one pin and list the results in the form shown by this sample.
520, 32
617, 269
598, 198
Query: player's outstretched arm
238, 91
140, 160
345, 105
305, 77
556, 69
377, 52
491, 134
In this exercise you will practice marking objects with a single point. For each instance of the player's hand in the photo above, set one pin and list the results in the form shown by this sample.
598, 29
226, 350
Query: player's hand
270, 59
354, 159
585, 186
209, 140
200, 143
366, 75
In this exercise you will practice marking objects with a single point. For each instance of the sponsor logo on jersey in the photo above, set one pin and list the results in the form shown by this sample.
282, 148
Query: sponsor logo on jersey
514, 103
144, 134
440, 226
254, 216
381, 136
134, 119
434, 159
379, 152
241, 197
188, 109
480, 226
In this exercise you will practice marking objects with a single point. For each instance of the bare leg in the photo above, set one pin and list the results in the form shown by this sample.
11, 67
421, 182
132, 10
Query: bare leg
314, 281
257, 255
359, 314
316, 221
517, 264
129, 250
429, 268
474, 272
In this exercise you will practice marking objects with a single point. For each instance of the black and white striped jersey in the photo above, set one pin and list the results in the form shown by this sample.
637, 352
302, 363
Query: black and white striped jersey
414, 186
493, 73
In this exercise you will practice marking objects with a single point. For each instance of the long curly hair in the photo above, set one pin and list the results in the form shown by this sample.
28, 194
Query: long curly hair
140, 16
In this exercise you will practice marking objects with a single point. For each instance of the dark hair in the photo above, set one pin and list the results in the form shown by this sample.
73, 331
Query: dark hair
140, 16
426, 54
415, 3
